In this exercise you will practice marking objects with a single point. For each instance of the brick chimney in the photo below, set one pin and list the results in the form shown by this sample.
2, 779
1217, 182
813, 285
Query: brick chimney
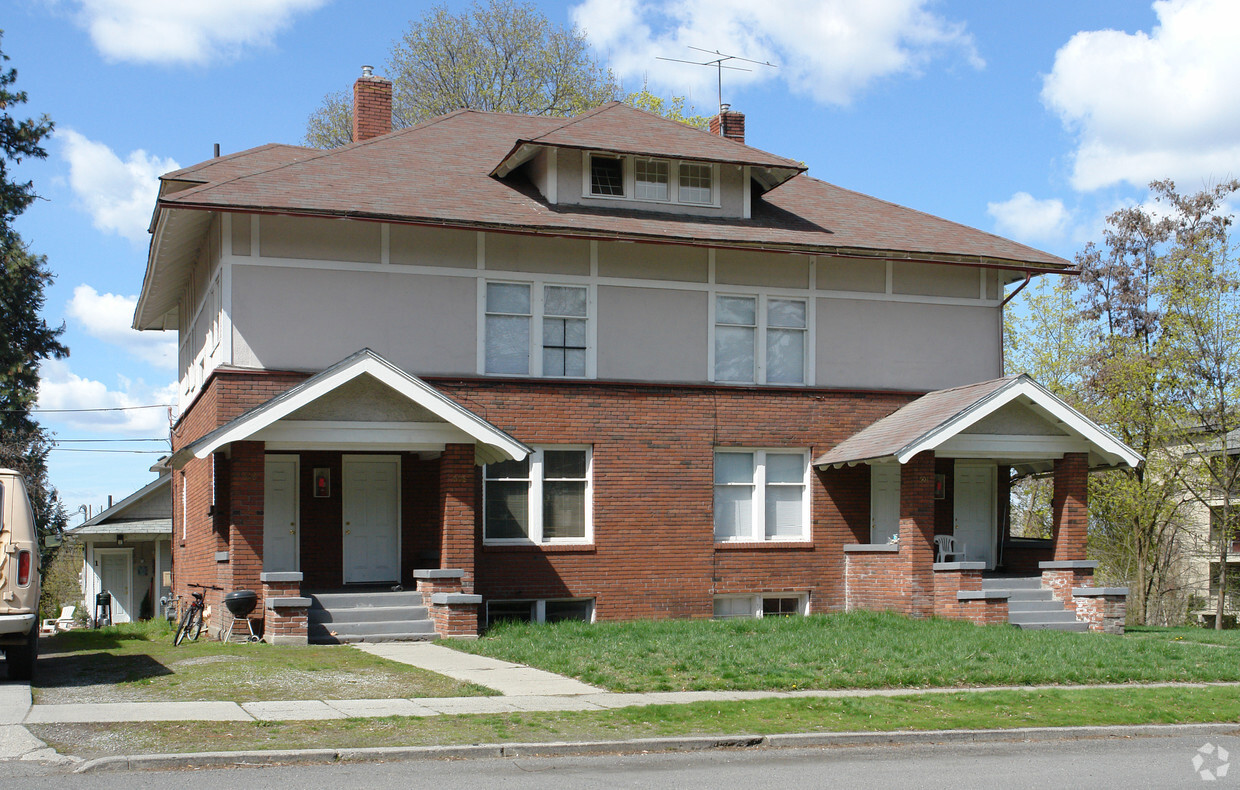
729, 124
372, 106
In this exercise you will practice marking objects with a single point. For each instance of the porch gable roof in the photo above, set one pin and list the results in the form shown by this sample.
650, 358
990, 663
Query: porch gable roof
937, 417
492, 445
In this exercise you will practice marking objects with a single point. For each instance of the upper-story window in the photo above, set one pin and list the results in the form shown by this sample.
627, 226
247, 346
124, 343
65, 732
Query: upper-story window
695, 183
651, 177
760, 339
653, 180
607, 176
518, 313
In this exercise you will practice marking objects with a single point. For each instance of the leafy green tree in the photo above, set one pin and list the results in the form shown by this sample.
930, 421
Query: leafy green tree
25, 338
1198, 285
501, 56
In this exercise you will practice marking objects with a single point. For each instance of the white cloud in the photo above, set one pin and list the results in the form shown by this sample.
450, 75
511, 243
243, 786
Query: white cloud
185, 31
60, 388
1026, 218
118, 194
1157, 105
830, 50
108, 317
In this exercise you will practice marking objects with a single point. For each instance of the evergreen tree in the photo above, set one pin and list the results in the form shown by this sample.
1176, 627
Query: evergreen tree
25, 338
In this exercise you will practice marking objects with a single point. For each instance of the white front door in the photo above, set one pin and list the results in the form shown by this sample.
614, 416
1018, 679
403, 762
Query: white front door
371, 494
884, 502
115, 577
280, 527
975, 512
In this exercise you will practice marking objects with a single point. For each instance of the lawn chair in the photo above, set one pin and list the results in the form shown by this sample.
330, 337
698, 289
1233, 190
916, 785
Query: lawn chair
62, 623
946, 547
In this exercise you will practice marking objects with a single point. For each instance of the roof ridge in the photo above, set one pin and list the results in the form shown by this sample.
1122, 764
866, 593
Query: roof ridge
572, 119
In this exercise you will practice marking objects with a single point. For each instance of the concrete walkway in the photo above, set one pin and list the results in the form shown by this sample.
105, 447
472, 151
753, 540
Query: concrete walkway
511, 680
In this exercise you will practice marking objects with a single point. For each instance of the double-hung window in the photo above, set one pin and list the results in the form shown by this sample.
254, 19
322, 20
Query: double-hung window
761, 495
545, 498
561, 312
696, 183
760, 339
651, 179
606, 176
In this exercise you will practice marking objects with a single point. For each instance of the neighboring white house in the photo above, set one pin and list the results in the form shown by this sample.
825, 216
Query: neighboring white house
128, 552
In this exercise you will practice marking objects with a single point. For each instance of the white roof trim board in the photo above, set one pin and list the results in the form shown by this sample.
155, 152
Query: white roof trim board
492, 444
1111, 449
1105, 447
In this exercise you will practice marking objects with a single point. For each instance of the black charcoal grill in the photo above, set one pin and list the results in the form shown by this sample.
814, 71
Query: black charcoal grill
240, 603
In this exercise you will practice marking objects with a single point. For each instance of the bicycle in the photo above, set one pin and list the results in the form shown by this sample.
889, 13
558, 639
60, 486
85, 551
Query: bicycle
191, 620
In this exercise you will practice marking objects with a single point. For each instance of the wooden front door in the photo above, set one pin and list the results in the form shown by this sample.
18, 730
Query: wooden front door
371, 494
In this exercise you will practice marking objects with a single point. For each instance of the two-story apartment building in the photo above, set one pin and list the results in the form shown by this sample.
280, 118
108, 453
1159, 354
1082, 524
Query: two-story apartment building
601, 367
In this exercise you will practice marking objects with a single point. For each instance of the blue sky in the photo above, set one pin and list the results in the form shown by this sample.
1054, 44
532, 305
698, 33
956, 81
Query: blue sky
1032, 120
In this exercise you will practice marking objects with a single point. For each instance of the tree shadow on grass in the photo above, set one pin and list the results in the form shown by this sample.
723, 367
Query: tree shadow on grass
70, 670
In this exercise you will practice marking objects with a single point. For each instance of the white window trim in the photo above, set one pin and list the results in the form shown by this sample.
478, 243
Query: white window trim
630, 180
537, 293
535, 499
757, 603
758, 502
762, 299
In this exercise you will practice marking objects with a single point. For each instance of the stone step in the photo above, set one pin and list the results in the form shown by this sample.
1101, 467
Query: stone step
381, 631
366, 614
1041, 605
1011, 582
1075, 625
343, 600
1060, 616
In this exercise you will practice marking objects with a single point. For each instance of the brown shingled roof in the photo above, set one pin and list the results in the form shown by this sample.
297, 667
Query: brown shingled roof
438, 173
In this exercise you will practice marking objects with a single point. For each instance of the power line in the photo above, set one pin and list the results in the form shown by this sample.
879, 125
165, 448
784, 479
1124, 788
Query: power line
103, 450
75, 441
78, 411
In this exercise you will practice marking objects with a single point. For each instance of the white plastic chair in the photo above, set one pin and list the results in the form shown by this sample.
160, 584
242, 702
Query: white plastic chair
946, 546
62, 623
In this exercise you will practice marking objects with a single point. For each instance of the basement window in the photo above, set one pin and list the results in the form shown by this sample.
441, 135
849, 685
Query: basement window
540, 610
728, 607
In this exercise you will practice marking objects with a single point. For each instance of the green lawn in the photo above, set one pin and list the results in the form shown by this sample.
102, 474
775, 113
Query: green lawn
854, 650
136, 662
961, 710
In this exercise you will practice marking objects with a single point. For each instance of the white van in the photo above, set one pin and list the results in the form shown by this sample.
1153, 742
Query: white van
19, 577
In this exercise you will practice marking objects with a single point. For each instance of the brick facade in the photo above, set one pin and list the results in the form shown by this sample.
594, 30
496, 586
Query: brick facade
653, 553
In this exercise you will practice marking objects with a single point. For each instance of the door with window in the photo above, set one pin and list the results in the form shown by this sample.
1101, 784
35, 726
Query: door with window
371, 519
884, 502
975, 511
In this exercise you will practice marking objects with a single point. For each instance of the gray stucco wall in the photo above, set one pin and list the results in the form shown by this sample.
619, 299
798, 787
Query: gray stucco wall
652, 334
307, 319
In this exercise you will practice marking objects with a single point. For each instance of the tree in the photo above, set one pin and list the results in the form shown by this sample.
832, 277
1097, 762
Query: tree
25, 338
503, 56
1198, 285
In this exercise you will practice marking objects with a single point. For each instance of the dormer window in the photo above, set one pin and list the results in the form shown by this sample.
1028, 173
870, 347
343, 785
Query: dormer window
695, 184
607, 176
651, 177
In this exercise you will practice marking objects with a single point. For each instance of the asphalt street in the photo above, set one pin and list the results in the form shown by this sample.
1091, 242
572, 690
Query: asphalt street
1153, 762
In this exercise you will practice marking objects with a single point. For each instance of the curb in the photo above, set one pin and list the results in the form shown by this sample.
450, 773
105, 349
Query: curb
241, 759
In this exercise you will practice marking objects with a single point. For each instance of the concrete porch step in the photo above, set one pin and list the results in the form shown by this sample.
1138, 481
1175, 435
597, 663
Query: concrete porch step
1011, 582
343, 600
1075, 625
366, 614
1060, 615
1047, 604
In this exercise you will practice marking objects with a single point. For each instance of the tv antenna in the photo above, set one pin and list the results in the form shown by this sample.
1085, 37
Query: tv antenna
719, 63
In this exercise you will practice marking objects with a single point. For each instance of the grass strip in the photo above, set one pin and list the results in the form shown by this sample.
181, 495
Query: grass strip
960, 710
137, 662
852, 650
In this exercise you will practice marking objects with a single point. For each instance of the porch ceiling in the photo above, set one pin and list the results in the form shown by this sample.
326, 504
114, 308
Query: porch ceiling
308, 417
1012, 420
